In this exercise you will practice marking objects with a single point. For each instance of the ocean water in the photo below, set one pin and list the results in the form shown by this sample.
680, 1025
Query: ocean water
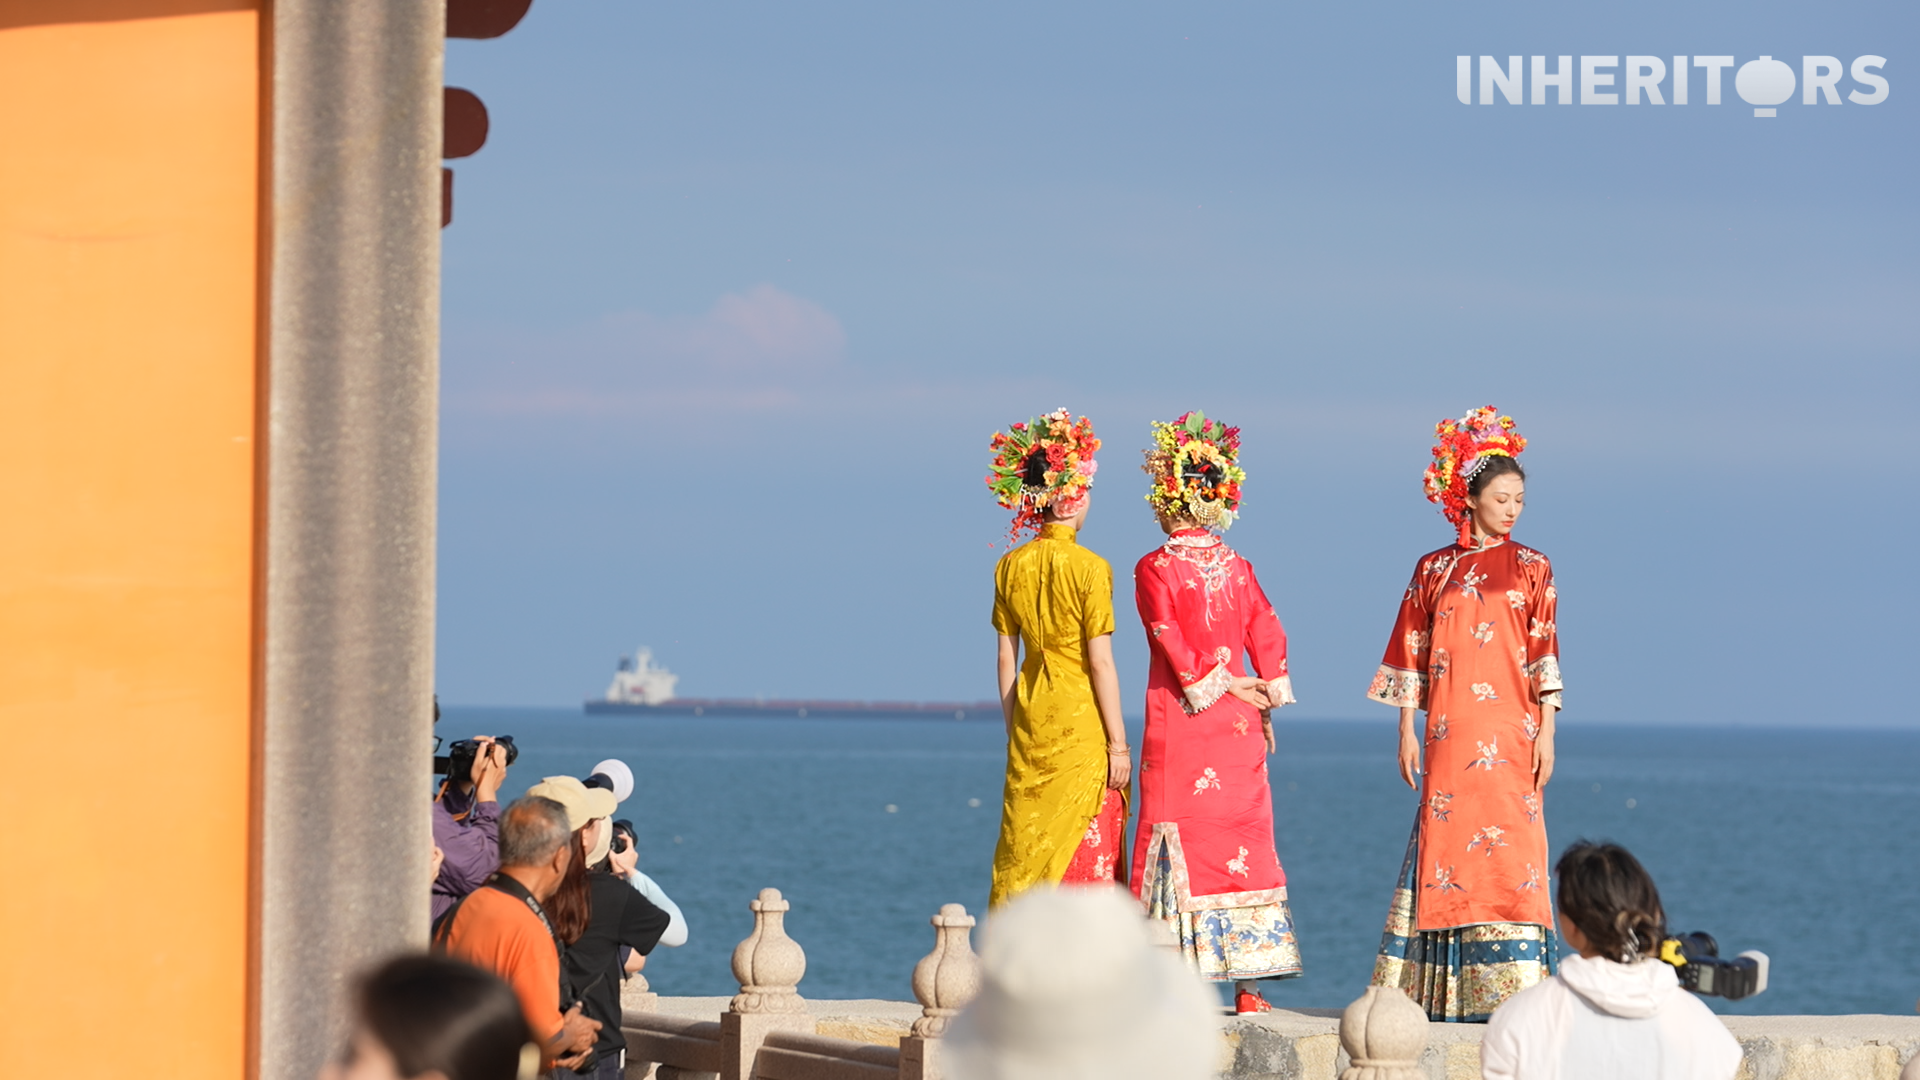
1802, 844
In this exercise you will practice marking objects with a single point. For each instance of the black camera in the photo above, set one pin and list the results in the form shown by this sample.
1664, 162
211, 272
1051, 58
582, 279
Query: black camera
457, 762
619, 844
1696, 959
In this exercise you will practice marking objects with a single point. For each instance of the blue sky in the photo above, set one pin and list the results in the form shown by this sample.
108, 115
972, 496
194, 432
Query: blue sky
736, 294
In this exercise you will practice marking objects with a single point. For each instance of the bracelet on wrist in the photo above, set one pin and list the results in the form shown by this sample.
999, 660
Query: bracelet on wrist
1116, 751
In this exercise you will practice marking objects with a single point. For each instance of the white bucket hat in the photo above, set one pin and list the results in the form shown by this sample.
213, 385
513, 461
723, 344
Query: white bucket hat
1072, 988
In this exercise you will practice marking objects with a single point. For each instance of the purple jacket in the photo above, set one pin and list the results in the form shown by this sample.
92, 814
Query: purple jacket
472, 847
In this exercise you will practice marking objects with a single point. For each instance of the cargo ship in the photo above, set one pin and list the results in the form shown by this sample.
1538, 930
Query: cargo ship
642, 687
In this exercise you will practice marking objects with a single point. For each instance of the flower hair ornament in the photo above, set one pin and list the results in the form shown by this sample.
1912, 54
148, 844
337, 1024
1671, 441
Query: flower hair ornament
1194, 466
1045, 463
1461, 449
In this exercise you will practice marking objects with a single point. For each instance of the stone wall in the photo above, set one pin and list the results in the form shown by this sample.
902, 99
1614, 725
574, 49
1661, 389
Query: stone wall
1305, 1044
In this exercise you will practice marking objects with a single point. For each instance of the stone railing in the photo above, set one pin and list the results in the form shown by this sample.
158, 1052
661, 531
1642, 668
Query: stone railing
767, 1031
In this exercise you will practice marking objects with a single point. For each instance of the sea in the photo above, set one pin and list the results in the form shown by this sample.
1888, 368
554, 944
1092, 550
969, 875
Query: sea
1803, 844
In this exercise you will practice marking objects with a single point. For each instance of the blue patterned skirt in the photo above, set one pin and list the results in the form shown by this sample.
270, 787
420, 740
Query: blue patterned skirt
1231, 943
1459, 975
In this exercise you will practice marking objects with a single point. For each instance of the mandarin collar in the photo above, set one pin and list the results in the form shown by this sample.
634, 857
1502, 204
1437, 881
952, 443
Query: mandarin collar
1195, 537
1489, 544
1059, 530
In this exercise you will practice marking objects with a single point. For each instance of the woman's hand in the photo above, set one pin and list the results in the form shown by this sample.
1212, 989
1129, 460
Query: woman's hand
1542, 758
1119, 767
1409, 749
1252, 691
625, 861
1266, 728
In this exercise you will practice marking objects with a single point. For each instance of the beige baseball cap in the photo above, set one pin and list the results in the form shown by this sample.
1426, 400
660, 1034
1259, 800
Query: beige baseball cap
582, 802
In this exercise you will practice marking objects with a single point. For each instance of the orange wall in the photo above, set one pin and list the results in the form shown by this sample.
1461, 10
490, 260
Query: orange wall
128, 267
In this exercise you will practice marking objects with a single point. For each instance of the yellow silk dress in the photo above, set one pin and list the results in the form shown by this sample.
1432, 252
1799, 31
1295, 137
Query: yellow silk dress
1054, 595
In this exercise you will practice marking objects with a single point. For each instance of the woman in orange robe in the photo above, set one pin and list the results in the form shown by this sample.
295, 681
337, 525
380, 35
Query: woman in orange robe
1474, 646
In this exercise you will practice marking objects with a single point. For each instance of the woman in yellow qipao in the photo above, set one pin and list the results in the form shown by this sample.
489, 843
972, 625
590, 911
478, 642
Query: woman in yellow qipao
1064, 811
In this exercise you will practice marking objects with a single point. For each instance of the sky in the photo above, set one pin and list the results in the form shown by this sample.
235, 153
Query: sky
736, 294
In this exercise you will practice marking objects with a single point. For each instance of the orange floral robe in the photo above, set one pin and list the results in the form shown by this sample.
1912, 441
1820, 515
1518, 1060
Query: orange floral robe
1475, 647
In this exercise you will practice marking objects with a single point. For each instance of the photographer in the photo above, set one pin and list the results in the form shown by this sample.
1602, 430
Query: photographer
466, 822
1615, 1010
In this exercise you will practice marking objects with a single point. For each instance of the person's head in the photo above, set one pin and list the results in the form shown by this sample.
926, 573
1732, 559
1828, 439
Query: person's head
434, 1018
535, 843
1072, 988
1608, 903
1496, 495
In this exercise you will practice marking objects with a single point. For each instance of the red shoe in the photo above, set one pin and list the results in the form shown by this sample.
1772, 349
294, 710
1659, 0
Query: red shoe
1248, 1001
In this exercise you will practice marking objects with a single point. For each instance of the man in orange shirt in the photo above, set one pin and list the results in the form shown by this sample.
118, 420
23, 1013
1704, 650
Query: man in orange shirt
502, 927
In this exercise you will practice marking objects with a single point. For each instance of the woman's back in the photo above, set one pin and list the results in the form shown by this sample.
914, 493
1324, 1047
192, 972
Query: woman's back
1053, 594
1602, 1020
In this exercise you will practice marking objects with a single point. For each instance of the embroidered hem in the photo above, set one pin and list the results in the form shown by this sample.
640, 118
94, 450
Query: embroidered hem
1166, 870
1399, 687
1463, 973
1280, 691
1251, 940
1544, 674
1211, 688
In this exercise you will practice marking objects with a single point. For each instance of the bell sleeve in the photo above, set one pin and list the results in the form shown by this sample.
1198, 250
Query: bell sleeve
1543, 640
1203, 679
1402, 680
1267, 643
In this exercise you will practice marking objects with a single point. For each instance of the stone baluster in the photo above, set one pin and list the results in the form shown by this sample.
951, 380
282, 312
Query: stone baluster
944, 980
1383, 1034
768, 965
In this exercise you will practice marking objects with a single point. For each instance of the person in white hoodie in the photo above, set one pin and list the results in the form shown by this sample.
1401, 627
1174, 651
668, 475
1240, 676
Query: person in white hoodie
1616, 1011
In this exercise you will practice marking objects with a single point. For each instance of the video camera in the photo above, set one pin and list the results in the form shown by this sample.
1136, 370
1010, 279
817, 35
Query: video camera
1696, 959
459, 758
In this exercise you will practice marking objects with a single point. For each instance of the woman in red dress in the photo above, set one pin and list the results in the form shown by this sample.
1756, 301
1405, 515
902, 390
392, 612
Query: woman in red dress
1203, 859
1475, 647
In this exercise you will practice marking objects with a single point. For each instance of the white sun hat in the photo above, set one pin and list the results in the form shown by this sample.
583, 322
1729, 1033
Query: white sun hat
616, 770
1072, 988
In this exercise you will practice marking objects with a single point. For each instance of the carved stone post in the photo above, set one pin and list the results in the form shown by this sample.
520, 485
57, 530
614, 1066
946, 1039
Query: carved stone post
1384, 1034
637, 996
944, 980
769, 965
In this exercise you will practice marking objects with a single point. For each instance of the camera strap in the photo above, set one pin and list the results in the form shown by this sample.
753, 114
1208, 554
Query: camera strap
443, 926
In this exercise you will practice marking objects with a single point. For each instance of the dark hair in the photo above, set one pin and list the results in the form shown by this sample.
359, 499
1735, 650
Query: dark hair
1034, 474
532, 828
1612, 899
433, 1013
571, 906
1491, 466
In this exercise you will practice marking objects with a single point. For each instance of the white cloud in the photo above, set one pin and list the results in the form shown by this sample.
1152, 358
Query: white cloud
757, 349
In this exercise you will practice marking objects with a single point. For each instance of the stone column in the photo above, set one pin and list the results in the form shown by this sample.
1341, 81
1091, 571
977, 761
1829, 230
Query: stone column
1383, 1034
769, 965
944, 981
350, 330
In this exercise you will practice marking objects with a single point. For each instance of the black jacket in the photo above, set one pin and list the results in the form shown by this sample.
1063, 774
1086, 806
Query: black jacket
591, 966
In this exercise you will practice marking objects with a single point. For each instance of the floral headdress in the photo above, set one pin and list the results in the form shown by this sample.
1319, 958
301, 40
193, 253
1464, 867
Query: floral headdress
1461, 449
1194, 463
1041, 464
